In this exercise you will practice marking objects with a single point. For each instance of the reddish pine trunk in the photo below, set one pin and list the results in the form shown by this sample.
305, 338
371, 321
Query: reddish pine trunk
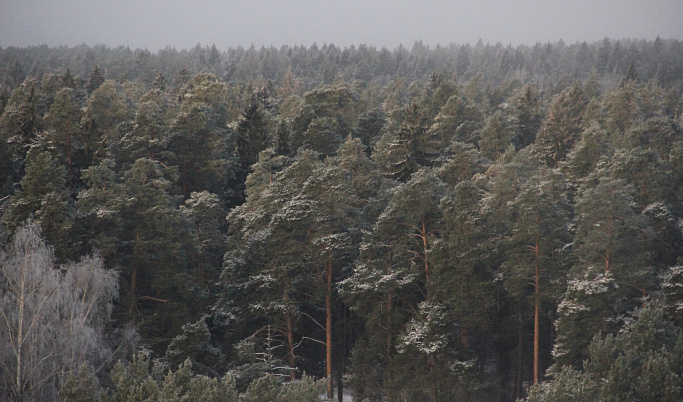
537, 284
328, 329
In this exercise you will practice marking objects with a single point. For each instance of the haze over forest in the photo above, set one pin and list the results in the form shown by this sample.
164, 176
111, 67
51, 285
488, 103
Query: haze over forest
154, 25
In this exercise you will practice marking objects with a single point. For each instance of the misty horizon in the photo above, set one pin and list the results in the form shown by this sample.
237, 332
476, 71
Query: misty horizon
155, 25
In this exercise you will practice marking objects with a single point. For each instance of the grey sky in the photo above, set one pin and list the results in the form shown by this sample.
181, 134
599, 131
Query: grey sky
182, 24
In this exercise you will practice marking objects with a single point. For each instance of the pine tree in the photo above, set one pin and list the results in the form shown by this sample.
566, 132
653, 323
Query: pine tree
106, 111
641, 362
63, 124
19, 125
463, 284
198, 136
150, 130
251, 137
536, 254
323, 119
457, 120
266, 269
140, 231
613, 272
592, 149
392, 284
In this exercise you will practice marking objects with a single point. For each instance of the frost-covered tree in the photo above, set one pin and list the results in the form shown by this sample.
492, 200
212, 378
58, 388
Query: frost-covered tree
52, 320
495, 136
64, 131
536, 247
613, 272
199, 136
562, 126
403, 151
148, 135
107, 110
641, 362
392, 287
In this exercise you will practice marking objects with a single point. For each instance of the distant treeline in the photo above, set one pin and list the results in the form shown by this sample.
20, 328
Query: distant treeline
660, 60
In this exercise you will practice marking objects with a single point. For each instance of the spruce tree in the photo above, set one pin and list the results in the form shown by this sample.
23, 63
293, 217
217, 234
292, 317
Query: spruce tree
562, 126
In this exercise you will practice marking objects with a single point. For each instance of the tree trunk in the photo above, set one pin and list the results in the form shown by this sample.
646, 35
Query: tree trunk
20, 340
328, 328
388, 346
425, 248
520, 356
290, 339
133, 284
537, 284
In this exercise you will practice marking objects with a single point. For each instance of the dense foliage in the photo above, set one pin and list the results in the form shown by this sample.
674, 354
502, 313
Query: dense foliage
459, 223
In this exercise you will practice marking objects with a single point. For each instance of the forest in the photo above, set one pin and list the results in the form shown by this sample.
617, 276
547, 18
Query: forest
459, 223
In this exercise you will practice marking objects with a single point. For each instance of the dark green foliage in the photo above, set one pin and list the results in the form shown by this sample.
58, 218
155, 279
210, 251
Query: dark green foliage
194, 344
588, 152
562, 126
64, 130
495, 136
526, 114
370, 124
251, 136
198, 140
546, 188
80, 387
43, 196
96, 79
149, 134
613, 272
141, 232
19, 125
411, 147
324, 118
641, 362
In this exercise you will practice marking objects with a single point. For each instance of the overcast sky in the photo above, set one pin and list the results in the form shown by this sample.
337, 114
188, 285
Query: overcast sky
230, 23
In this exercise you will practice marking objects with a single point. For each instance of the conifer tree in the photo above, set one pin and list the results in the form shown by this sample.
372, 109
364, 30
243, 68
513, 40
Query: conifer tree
526, 115
613, 273
148, 136
106, 111
536, 254
562, 126
495, 136
19, 125
43, 196
198, 138
140, 232
64, 132
96, 79
403, 152
393, 283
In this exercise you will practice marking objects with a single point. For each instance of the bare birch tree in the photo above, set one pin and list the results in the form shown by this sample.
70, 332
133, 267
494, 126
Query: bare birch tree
51, 320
